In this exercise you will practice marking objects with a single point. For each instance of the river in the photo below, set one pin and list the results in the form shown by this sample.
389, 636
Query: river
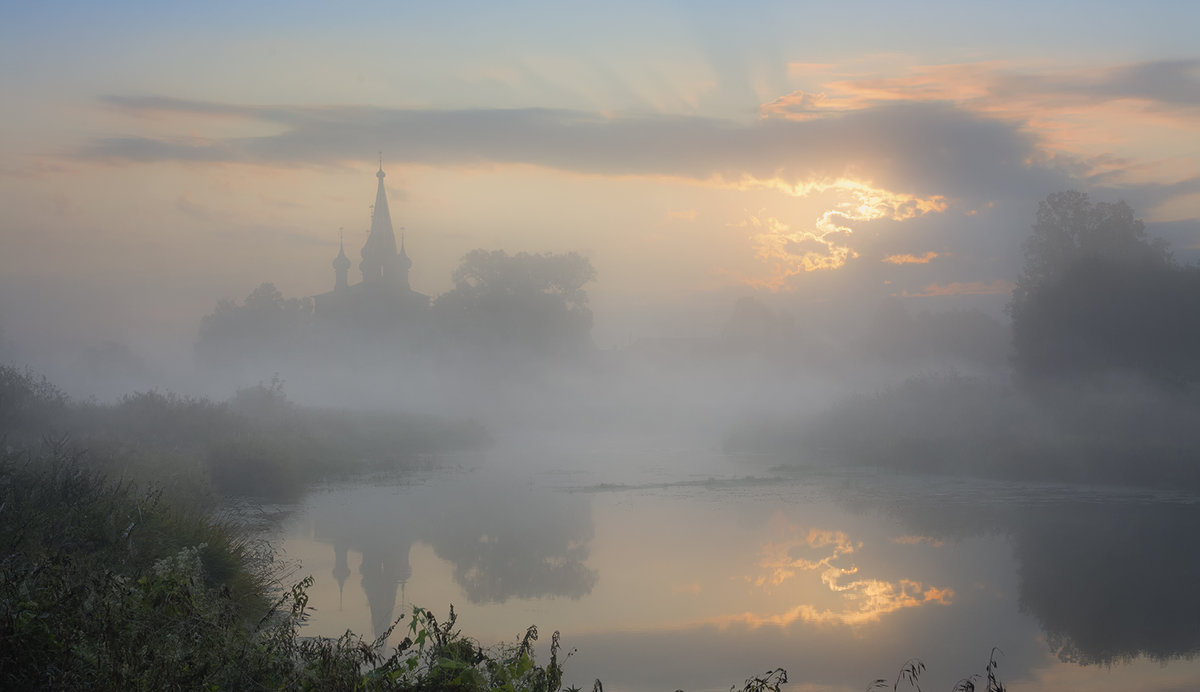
668, 567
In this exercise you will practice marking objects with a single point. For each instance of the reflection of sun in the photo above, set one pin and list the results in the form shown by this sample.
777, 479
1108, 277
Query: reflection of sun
861, 599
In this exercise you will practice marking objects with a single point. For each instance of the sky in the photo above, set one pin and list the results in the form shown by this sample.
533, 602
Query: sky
158, 157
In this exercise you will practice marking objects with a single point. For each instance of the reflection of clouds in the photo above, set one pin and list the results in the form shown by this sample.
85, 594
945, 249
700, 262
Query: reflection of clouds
1103, 570
867, 600
864, 599
779, 556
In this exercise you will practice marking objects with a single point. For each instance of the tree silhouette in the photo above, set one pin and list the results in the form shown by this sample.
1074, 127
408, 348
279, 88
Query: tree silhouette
265, 325
525, 303
1098, 295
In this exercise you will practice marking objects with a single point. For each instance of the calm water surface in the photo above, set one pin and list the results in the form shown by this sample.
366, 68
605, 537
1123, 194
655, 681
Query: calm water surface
668, 568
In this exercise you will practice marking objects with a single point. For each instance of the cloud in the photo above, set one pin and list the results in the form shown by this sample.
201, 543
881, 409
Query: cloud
1081, 114
995, 87
888, 154
918, 540
1165, 83
910, 259
829, 242
920, 149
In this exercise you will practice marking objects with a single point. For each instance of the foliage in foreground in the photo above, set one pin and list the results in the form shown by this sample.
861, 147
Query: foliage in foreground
103, 586
109, 585
913, 668
257, 444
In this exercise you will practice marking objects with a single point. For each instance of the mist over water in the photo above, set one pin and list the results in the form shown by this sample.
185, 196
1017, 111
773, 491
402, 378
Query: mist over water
719, 339
688, 510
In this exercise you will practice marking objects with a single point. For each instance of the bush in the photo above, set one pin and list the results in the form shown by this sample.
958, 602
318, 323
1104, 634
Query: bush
29, 403
102, 585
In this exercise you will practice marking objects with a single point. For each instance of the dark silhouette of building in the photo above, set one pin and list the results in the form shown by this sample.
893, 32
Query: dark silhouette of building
383, 302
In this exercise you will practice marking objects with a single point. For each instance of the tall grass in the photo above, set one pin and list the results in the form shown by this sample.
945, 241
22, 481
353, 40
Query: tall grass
256, 444
105, 586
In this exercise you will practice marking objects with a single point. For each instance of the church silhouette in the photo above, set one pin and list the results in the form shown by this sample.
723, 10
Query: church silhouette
383, 301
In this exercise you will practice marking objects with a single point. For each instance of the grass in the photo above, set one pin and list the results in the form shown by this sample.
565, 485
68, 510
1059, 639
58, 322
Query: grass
104, 586
256, 444
115, 576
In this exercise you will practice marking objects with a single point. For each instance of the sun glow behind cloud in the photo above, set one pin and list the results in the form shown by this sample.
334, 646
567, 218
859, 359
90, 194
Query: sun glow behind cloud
910, 259
826, 244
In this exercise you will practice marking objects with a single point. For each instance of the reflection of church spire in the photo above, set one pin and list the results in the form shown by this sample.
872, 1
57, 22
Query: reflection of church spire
379, 252
341, 265
403, 264
380, 576
340, 569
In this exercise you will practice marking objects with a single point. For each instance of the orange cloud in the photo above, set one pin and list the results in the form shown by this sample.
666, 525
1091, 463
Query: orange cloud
826, 245
840, 92
793, 252
943, 596
1083, 112
970, 288
917, 540
910, 259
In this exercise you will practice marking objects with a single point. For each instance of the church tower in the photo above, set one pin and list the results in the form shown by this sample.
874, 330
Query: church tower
379, 252
383, 302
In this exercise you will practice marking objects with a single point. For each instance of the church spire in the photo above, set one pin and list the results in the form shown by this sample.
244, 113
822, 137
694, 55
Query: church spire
379, 252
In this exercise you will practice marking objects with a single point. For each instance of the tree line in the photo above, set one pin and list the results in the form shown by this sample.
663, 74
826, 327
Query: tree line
1097, 295
525, 304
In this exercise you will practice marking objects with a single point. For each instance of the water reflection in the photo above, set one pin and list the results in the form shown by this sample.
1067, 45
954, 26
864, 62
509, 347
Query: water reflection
502, 539
1112, 582
839, 580
827, 554
1109, 574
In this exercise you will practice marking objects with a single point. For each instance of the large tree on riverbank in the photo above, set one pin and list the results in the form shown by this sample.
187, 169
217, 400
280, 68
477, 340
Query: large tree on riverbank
1097, 294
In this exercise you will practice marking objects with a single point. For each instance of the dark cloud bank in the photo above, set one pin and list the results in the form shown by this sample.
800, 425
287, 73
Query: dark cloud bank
916, 148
